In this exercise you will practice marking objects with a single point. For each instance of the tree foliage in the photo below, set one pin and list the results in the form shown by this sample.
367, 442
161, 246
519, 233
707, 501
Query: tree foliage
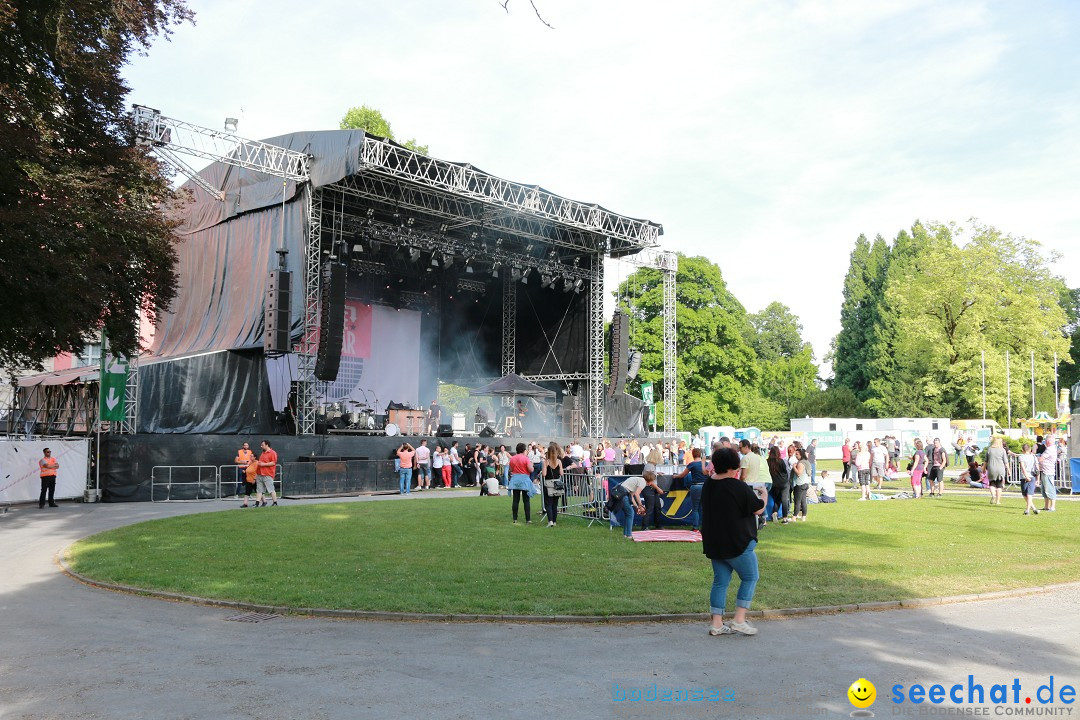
85, 243
920, 315
372, 121
788, 372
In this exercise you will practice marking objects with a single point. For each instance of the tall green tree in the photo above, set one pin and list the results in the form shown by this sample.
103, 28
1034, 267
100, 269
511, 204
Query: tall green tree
372, 121
85, 243
1069, 373
852, 347
994, 293
717, 367
788, 372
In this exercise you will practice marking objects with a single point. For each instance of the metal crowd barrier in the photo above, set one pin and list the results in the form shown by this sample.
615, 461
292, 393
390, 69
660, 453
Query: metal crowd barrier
292, 479
584, 496
183, 482
229, 479
345, 477
1062, 476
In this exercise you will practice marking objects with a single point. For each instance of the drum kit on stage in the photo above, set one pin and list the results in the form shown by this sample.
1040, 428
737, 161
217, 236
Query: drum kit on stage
348, 415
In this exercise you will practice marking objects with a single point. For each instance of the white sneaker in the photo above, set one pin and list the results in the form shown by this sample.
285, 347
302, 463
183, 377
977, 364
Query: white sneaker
743, 628
724, 629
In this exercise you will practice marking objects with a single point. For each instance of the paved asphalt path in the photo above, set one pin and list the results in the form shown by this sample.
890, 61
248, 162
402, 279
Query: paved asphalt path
72, 651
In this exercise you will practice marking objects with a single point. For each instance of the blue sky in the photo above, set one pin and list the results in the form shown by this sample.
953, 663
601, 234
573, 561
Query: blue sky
763, 135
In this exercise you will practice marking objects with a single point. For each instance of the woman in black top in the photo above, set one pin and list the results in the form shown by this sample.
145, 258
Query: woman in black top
729, 510
781, 497
553, 482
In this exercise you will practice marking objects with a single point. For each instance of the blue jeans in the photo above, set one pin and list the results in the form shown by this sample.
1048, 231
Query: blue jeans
405, 480
747, 568
455, 475
695, 501
813, 470
506, 475
623, 514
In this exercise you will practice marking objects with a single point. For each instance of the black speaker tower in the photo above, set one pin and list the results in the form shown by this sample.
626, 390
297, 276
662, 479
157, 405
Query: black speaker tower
331, 321
276, 324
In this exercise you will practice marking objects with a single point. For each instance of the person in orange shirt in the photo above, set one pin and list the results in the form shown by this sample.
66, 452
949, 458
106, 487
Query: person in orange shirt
245, 458
48, 465
264, 481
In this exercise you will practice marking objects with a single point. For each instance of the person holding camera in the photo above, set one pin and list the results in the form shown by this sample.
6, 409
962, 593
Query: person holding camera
729, 510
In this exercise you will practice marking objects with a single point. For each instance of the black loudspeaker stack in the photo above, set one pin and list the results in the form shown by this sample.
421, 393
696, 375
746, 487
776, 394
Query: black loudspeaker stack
620, 350
331, 321
276, 324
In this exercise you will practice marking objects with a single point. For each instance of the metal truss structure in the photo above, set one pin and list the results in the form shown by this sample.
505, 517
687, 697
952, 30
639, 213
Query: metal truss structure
596, 350
306, 389
131, 399
509, 324
668, 265
168, 136
526, 210
54, 410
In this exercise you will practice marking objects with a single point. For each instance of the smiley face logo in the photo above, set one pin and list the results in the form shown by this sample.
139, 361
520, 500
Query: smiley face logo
862, 693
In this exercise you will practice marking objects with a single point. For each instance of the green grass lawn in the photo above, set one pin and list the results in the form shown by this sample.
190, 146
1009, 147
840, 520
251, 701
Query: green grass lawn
464, 556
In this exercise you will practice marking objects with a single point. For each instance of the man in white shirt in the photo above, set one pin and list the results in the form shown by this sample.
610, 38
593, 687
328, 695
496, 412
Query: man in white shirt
577, 452
423, 466
879, 458
1047, 473
750, 465
455, 465
826, 488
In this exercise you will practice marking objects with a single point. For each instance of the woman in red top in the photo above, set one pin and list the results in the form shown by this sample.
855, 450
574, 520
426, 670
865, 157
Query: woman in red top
845, 458
521, 481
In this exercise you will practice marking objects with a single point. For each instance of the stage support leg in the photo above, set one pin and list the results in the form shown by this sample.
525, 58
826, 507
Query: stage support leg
509, 329
596, 347
309, 342
669, 266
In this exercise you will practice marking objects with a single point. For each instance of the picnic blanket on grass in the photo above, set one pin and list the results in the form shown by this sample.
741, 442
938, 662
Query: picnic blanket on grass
667, 536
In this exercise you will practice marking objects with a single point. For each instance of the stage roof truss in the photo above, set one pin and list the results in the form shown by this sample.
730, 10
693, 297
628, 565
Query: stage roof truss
381, 156
462, 212
176, 136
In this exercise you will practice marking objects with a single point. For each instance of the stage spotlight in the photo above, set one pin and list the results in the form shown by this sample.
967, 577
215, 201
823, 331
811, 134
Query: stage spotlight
578, 284
370, 213
410, 222
434, 261
474, 235
515, 274
230, 124
443, 228
529, 248
357, 248
447, 260
468, 265
552, 254
414, 254
567, 284
547, 281
525, 275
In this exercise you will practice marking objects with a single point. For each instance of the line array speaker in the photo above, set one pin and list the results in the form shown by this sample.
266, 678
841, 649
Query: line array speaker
276, 324
620, 350
331, 321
